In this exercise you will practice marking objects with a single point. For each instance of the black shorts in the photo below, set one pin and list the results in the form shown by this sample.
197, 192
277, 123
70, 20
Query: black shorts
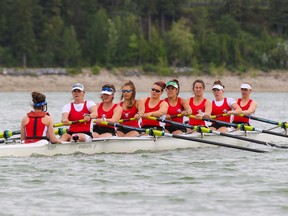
241, 123
172, 128
153, 127
102, 130
84, 132
125, 130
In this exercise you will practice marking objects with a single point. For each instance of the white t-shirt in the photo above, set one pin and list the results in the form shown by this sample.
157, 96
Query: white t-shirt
78, 107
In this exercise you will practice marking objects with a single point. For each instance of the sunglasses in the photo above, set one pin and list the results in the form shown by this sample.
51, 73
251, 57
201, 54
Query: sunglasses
127, 91
155, 90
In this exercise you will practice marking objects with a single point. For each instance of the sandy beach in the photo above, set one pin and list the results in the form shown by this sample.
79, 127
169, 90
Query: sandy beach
262, 82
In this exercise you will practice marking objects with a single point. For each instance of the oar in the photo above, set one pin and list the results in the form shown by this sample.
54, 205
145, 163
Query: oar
208, 130
242, 127
279, 124
82, 121
6, 134
70, 123
162, 133
126, 120
59, 131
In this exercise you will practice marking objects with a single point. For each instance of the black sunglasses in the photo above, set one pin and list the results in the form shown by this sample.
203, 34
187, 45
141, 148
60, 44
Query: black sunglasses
127, 91
155, 90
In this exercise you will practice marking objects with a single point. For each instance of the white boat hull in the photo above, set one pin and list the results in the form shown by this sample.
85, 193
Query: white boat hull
98, 146
129, 144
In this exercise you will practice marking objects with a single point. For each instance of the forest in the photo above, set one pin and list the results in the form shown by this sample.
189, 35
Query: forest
150, 34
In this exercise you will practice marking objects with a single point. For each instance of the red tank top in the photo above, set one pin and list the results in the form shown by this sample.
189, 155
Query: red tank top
106, 114
218, 110
130, 113
35, 129
74, 115
147, 110
246, 107
175, 110
197, 109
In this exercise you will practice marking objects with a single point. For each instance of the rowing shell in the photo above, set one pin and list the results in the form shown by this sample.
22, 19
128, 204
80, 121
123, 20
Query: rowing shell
119, 145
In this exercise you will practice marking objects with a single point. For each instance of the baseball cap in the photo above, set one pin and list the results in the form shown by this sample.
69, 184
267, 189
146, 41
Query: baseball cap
78, 86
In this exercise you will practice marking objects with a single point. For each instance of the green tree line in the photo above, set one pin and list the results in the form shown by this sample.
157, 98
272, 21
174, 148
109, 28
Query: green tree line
233, 34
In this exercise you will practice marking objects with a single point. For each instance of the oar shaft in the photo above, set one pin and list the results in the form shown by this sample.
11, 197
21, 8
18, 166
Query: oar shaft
218, 144
203, 129
274, 133
6, 134
246, 127
250, 140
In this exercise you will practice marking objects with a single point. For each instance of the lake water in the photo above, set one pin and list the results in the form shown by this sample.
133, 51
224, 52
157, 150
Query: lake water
204, 182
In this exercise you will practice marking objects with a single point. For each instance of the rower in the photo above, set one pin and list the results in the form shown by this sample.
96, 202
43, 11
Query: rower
247, 105
38, 124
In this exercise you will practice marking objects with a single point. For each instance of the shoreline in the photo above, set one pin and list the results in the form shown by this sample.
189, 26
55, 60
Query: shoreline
261, 82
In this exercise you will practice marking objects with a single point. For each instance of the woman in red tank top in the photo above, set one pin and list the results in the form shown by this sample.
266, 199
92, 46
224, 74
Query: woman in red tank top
131, 109
154, 106
37, 124
222, 105
77, 110
247, 105
107, 112
201, 107
176, 105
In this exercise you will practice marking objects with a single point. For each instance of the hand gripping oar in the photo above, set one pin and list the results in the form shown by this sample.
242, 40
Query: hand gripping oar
208, 130
242, 127
279, 124
162, 133
82, 121
70, 123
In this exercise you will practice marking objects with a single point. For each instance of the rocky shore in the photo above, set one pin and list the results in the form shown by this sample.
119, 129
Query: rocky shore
276, 81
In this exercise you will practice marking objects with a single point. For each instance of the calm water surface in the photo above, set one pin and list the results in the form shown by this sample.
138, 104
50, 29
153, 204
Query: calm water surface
182, 182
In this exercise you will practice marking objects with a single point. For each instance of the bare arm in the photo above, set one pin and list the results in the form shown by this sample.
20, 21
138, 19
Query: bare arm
208, 109
93, 110
50, 133
140, 108
65, 119
116, 115
237, 110
251, 110
24, 122
162, 111
187, 109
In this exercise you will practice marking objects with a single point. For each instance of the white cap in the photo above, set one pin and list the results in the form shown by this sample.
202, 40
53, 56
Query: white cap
217, 87
78, 86
107, 90
245, 86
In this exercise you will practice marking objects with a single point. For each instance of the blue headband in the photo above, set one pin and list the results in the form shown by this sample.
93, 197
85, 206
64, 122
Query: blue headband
40, 104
